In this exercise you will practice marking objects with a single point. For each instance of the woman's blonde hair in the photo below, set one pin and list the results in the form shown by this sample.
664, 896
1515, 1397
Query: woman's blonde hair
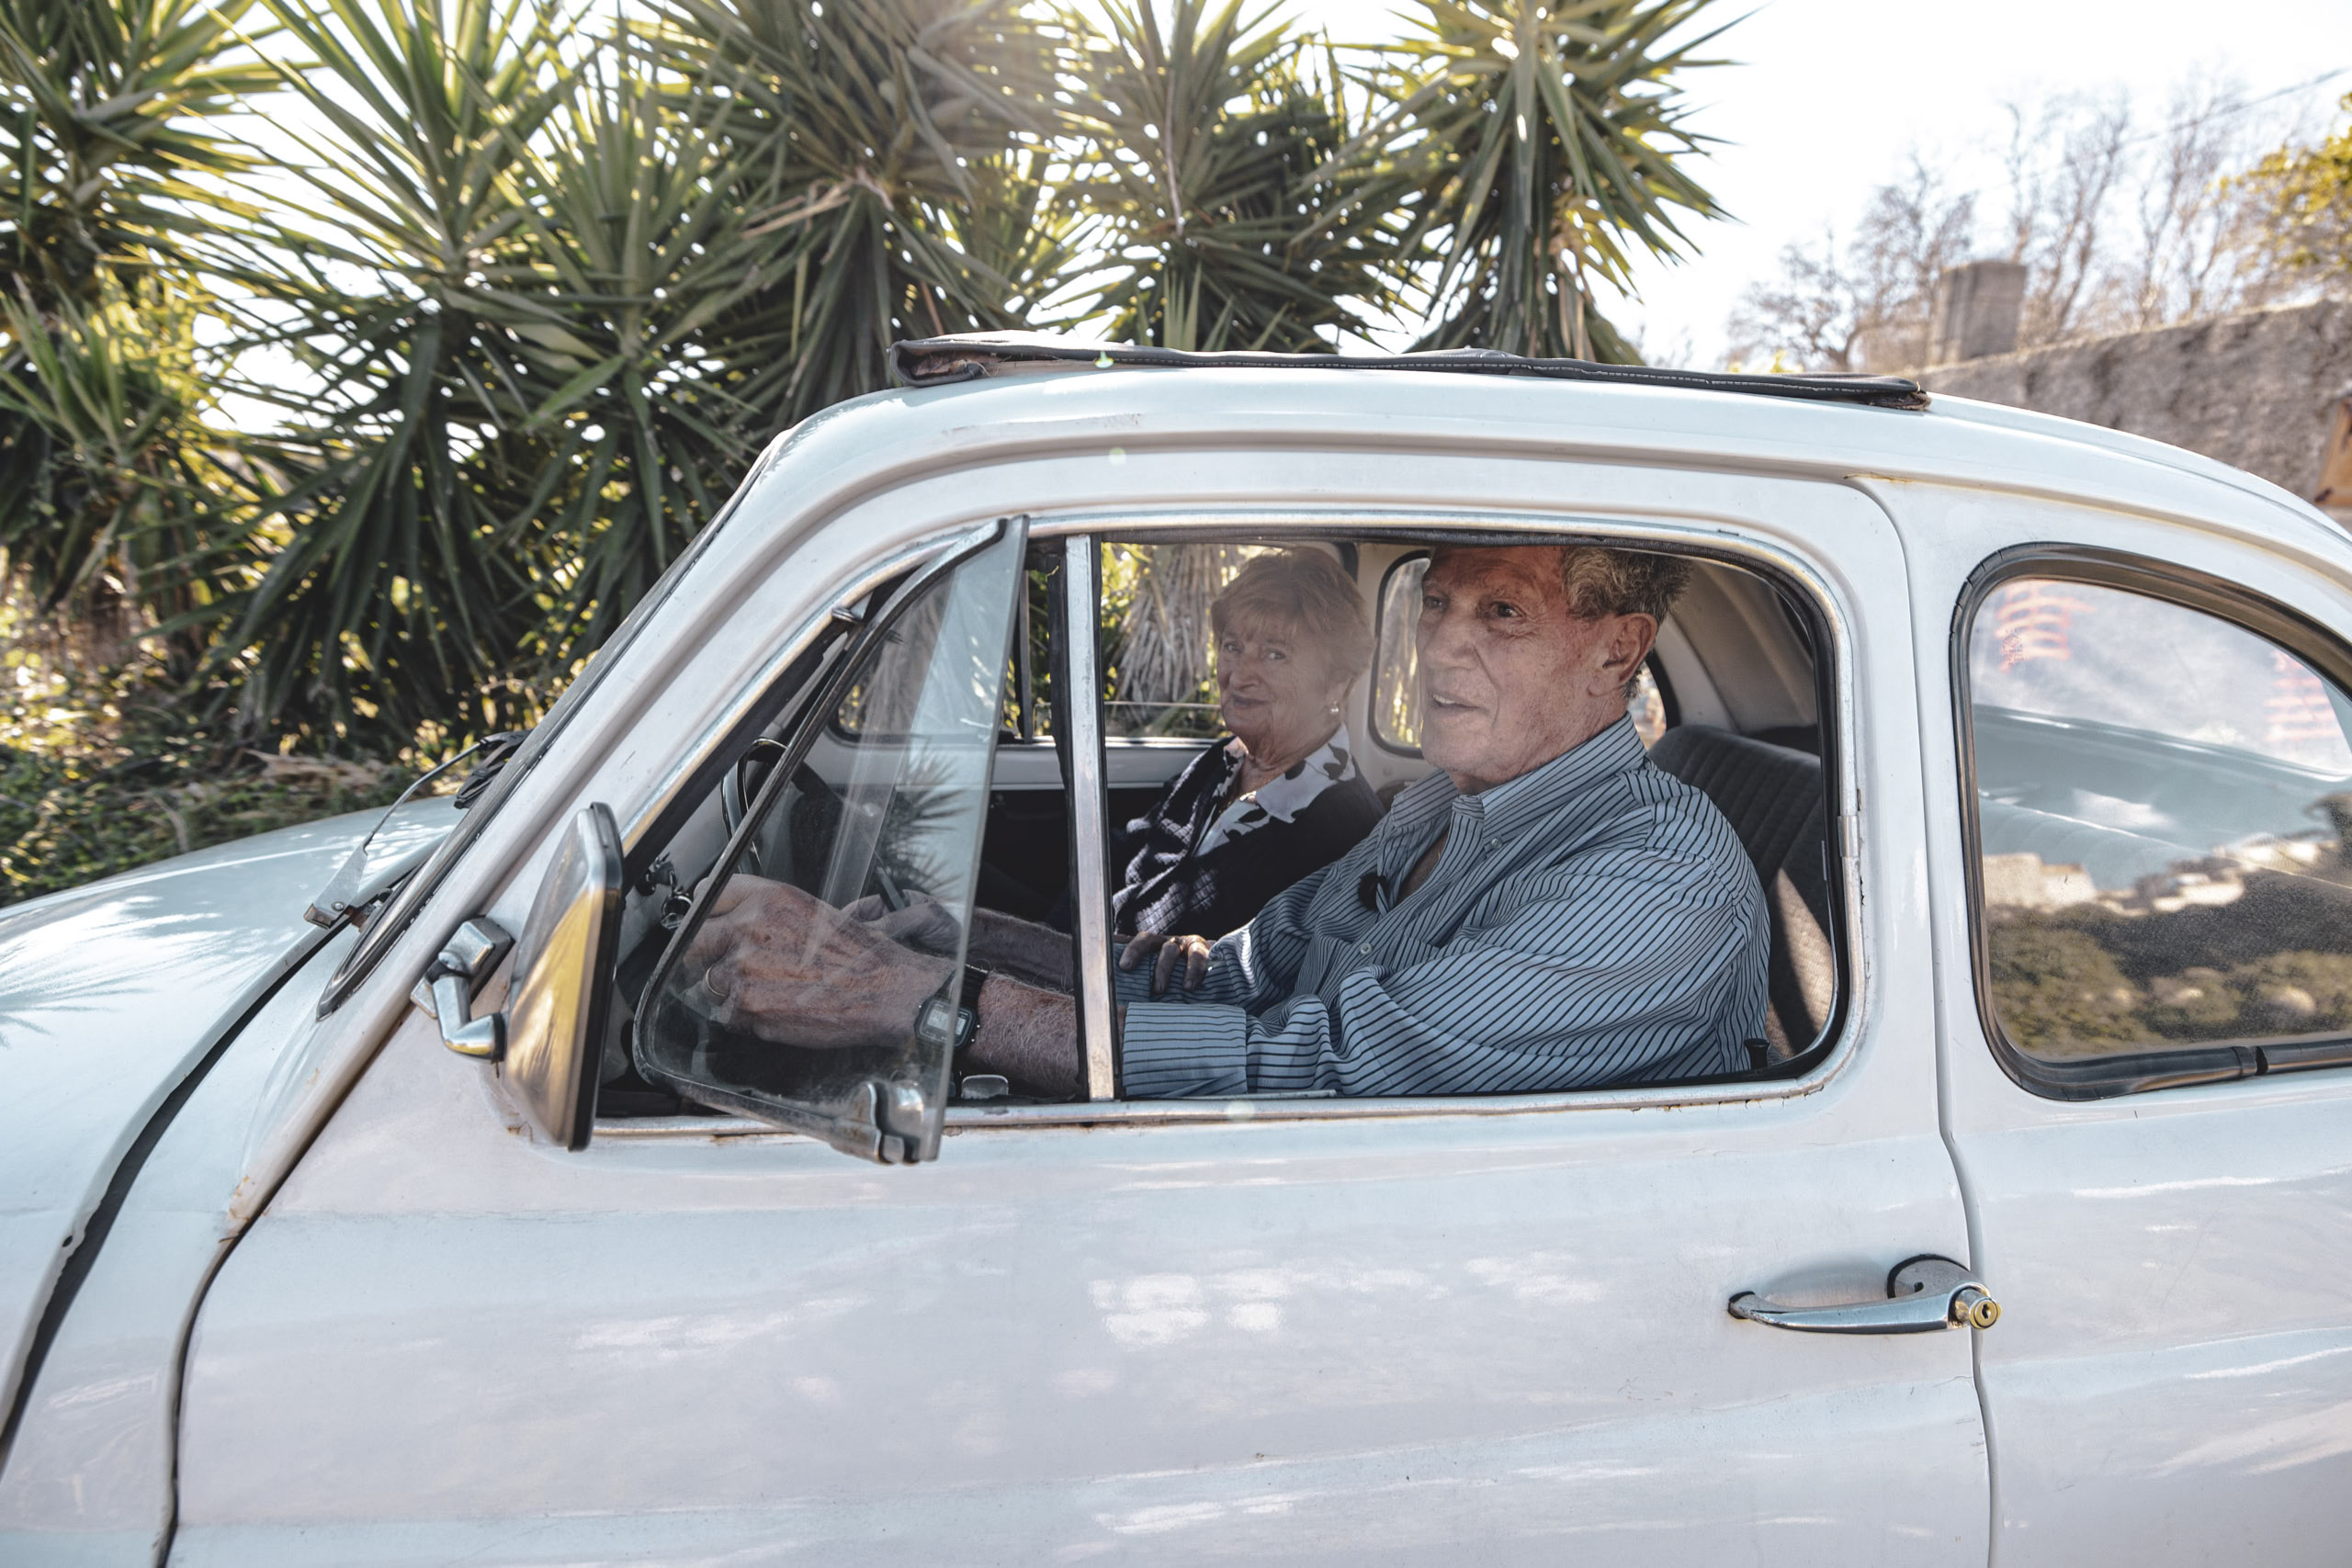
1302, 589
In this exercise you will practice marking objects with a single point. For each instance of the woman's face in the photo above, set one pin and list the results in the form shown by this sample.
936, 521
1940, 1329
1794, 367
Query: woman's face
1276, 689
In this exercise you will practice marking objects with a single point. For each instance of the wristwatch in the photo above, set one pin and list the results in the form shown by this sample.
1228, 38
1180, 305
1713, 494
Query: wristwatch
934, 1023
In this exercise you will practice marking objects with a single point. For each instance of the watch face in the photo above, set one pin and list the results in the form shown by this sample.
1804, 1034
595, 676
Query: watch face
938, 1023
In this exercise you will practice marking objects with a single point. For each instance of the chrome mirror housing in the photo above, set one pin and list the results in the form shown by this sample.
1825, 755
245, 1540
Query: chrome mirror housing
549, 1039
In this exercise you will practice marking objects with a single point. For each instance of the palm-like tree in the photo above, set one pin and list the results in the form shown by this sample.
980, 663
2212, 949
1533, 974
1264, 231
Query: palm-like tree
114, 506
863, 139
1211, 165
107, 145
1549, 142
548, 289
398, 580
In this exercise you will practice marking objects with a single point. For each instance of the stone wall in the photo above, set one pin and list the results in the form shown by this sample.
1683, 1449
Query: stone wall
2259, 389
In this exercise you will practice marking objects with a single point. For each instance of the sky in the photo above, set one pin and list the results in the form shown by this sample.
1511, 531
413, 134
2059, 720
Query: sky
1830, 97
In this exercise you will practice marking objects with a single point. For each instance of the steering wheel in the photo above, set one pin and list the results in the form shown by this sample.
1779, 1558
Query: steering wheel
742, 784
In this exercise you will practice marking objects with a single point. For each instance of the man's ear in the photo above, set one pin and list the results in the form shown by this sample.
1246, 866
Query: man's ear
1626, 642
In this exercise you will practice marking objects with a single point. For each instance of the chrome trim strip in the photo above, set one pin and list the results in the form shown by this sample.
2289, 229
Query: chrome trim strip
1090, 854
1229, 1111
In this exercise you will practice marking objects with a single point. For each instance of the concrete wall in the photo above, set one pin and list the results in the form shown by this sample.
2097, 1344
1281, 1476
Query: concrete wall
2259, 389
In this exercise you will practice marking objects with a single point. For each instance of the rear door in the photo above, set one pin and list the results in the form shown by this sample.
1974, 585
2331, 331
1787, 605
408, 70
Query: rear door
2141, 845
1323, 1331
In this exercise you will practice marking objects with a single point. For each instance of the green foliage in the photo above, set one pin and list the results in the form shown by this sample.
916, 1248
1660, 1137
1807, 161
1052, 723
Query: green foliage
543, 282
114, 507
116, 496
2307, 194
2085, 981
403, 586
863, 138
1546, 141
2058, 991
107, 150
100, 777
1210, 164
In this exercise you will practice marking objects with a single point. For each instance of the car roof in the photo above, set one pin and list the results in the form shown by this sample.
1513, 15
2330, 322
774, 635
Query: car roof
964, 356
1007, 404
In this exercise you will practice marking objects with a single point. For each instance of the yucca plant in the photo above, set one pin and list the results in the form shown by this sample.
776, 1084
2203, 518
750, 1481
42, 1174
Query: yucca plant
123, 506
107, 146
1209, 160
407, 578
652, 353
110, 166
865, 137
1550, 145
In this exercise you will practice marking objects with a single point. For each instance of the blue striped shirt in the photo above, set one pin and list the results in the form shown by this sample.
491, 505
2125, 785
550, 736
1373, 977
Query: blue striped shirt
1592, 922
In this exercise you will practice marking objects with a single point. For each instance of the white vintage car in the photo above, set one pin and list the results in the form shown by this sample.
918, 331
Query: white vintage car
2026, 1238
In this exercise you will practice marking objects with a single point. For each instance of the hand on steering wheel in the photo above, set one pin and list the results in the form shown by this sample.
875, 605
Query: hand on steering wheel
923, 924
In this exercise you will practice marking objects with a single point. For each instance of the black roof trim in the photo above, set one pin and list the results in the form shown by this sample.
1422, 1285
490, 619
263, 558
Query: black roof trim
966, 356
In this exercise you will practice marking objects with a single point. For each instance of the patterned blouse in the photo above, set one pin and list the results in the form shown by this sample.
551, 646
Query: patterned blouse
1195, 868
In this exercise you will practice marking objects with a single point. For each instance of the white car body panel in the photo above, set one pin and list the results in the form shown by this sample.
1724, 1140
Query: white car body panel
437, 1339
2172, 1382
110, 995
89, 1477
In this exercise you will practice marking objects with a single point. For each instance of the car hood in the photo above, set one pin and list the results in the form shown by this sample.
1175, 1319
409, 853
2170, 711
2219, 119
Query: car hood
111, 994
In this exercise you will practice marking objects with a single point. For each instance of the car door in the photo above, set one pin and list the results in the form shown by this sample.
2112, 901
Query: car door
1326, 1331
2139, 846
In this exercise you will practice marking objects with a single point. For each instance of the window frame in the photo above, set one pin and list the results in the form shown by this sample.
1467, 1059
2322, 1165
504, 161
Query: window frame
2138, 1072
1797, 584
1801, 581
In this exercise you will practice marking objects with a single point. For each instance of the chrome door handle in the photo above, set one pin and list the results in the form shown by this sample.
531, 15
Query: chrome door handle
1922, 1295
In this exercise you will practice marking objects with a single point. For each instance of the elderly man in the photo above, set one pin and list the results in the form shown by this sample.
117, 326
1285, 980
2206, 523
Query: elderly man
1547, 911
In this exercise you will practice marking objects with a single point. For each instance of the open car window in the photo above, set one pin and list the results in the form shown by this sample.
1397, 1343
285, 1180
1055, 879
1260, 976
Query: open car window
933, 737
873, 806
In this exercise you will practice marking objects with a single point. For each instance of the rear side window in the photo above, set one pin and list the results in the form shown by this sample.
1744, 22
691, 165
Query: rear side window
2164, 808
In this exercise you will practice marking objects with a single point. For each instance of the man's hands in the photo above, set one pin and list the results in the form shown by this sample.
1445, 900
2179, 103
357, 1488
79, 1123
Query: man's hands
790, 968
922, 924
1190, 952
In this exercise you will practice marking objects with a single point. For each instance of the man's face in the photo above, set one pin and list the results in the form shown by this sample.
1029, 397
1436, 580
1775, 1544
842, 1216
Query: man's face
1509, 679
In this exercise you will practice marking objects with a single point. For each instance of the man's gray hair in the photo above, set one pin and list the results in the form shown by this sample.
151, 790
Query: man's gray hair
1604, 581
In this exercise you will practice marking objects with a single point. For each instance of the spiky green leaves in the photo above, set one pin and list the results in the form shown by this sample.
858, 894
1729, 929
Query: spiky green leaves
1211, 163
1548, 142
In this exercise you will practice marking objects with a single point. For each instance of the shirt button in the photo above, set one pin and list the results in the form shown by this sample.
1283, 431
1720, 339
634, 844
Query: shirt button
1493, 843
1364, 947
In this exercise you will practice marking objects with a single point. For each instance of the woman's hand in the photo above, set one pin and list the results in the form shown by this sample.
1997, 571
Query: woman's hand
792, 969
1191, 951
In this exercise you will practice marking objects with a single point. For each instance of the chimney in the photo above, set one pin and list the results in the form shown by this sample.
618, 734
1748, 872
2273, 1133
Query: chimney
1977, 311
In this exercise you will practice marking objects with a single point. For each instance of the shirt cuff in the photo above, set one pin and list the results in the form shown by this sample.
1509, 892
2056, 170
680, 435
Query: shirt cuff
1179, 1051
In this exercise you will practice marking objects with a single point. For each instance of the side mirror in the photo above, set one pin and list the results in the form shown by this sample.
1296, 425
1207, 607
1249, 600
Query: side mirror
548, 1040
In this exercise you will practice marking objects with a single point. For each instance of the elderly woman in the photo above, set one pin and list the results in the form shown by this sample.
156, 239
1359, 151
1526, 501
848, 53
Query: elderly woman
1280, 795
1274, 799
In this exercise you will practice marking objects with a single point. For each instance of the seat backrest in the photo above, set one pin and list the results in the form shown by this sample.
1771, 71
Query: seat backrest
1774, 798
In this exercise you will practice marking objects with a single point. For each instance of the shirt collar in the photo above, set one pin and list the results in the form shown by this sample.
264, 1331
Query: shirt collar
1518, 804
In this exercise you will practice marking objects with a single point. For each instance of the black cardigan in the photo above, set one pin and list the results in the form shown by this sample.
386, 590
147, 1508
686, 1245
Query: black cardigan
1167, 888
